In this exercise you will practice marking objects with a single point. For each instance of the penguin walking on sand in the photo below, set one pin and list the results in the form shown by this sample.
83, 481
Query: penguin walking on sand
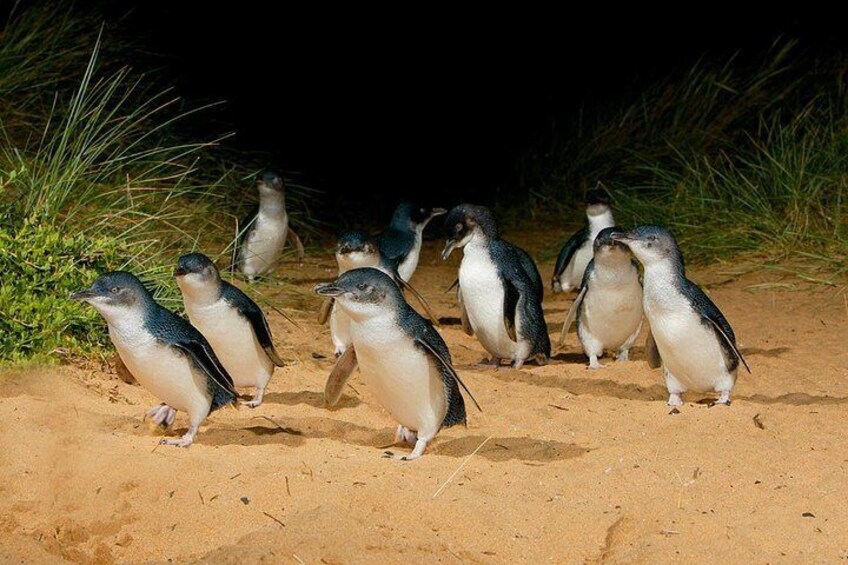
577, 251
689, 335
232, 323
401, 242
166, 355
356, 250
608, 309
499, 290
265, 230
404, 361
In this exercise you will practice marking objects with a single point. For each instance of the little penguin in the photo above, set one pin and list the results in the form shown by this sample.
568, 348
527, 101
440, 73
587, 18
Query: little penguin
401, 242
608, 309
232, 323
577, 251
357, 250
264, 231
166, 354
404, 361
694, 341
499, 290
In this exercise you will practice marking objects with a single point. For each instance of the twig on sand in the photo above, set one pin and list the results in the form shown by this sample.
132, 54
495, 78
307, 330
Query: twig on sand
458, 469
298, 559
282, 429
275, 519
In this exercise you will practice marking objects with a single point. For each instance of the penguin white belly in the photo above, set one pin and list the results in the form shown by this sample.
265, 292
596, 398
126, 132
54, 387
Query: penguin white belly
400, 376
573, 274
612, 314
690, 350
339, 329
407, 267
234, 342
483, 298
169, 376
264, 244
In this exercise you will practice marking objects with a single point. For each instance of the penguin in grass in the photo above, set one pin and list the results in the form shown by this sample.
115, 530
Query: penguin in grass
401, 242
232, 323
608, 309
404, 361
165, 354
356, 250
577, 251
263, 233
689, 335
499, 290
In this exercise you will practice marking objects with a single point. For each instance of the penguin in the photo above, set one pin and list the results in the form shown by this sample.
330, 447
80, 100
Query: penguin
166, 354
608, 309
694, 341
499, 290
401, 242
357, 250
577, 251
265, 229
404, 361
232, 323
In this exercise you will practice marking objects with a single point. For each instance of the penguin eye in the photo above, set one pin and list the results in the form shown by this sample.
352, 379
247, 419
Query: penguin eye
114, 290
362, 286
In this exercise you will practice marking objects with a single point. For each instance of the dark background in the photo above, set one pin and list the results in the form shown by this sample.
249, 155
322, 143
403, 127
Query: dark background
371, 105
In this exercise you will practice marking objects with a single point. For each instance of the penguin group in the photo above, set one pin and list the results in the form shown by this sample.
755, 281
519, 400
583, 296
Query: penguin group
621, 279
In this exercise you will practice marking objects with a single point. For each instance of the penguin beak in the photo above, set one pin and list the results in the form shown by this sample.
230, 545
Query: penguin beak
621, 237
329, 290
82, 295
450, 245
180, 272
438, 212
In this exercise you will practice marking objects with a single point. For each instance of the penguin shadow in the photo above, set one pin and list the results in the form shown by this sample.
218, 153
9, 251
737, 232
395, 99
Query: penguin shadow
757, 351
310, 398
295, 432
449, 321
794, 399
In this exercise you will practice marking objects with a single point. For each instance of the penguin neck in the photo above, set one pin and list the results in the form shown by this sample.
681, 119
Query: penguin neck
599, 222
479, 241
272, 203
613, 267
664, 272
204, 294
129, 325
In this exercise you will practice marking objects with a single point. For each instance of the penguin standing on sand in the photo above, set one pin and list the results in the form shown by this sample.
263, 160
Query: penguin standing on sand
232, 323
500, 291
166, 355
355, 250
265, 229
608, 309
695, 343
405, 362
577, 251
401, 242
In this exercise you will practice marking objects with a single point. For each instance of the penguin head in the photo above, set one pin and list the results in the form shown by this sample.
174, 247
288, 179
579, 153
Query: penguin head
269, 182
650, 244
413, 215
606, 246
195, 271
598, 202
355, 249
115, 293
463, 222
362, 292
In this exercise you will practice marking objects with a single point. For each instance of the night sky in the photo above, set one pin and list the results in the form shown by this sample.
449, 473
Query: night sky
426, 101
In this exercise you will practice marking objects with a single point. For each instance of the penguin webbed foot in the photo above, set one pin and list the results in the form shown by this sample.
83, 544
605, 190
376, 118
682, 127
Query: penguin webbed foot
184, 441
674, 399
623, 355
723, 399
594, 364
162, 415
256, 400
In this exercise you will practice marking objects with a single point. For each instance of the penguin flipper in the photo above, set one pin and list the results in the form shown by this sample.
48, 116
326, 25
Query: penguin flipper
406, 286
396, 244
254, 315
339, 376
445, 365
243, 229
326, 309
729, 342
572, 314
463, 313
297, 244
567, 252
653, 354
205, 359
510, 305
